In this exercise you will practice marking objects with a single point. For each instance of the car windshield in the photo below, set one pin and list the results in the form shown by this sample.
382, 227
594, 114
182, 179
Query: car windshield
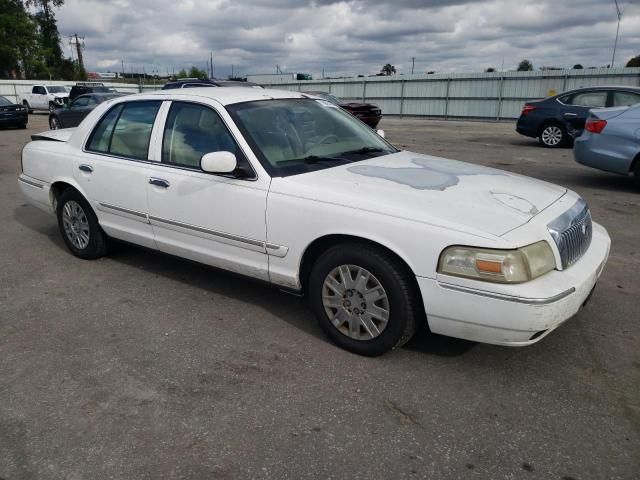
4, 101
292, 136
54, 89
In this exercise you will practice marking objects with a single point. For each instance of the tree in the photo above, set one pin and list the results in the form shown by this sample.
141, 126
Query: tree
634, 62
525, 66
490, 70
18, 41
578, 66
388, 69
49, 37
195, 72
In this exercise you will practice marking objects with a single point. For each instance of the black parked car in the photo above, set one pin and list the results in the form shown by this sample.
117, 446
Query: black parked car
556, 121
13, 114
209, 82
72, 114
82, 88
367, 112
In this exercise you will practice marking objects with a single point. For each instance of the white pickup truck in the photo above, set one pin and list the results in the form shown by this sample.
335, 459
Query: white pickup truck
45, 97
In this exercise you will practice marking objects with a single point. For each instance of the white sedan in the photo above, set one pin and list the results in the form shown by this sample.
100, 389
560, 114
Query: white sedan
290, 189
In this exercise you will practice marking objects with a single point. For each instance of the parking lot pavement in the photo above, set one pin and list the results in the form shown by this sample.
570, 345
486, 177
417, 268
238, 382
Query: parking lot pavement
145, 366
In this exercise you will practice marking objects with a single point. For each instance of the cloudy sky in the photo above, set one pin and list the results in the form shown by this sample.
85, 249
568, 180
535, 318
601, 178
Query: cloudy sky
348, 37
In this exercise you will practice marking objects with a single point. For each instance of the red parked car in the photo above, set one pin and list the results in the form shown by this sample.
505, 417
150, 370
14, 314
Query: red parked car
367, 112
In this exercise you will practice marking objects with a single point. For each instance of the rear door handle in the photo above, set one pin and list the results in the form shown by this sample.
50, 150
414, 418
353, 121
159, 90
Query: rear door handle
570, 114
159, 182
85, 168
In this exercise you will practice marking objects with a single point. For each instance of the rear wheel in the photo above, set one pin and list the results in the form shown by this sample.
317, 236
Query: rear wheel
52, 106
636, 171
26, 105
79, 226
553, 135
364, 300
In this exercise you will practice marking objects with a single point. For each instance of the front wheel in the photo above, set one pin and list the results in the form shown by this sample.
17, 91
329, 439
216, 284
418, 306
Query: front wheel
25, 104
54, 123
52, 107
364, 299
553, 136
79, 226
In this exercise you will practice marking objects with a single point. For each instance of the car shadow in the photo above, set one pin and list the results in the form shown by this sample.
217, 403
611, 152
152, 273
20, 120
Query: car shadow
290, 308
604, 181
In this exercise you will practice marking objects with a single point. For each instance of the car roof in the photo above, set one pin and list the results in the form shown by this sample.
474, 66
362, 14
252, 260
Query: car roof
629, 88
228, 95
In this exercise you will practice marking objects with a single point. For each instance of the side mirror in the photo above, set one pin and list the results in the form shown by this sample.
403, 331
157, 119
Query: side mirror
380, 132
218, 162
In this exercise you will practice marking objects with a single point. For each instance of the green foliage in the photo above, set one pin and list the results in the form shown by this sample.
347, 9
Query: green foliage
195, 72
30, 42
490, 70
18, 42
634, 62
388, 69
578, 66
525, 66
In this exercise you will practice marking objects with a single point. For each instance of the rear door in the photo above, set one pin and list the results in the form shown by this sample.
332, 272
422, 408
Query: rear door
577, 108
113, 170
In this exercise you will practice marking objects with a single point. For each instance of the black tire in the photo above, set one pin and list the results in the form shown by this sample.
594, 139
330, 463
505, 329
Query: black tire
553, 135
23, 126
54, 125
97, 244
404, 305
26, 105
636, 171
52, 106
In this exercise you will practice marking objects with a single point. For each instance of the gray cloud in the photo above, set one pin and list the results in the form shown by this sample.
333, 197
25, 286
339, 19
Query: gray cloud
347, 37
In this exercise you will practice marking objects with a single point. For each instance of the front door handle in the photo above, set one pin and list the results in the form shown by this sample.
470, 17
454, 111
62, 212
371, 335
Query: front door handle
570, 114
85, 168
159, 182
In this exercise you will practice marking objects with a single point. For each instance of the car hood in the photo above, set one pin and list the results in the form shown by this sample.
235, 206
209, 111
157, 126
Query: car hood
60, 95
438, 191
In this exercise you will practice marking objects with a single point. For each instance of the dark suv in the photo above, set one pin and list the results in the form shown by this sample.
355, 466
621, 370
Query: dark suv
556, 121
196, 82
82, 88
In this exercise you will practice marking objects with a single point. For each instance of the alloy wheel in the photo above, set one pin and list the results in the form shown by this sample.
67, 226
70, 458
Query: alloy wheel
552, 135
76, 224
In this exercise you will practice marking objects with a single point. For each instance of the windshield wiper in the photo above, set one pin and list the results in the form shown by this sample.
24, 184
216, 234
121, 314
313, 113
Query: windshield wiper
364, 150
314, 159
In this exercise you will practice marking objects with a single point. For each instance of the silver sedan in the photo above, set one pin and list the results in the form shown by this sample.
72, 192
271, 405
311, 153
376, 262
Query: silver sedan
611, 141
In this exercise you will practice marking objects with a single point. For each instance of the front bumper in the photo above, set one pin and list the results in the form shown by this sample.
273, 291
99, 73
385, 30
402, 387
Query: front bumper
514, 319
20, 118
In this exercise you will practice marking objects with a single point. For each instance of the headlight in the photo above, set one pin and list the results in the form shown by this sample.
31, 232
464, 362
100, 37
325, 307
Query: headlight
501, 266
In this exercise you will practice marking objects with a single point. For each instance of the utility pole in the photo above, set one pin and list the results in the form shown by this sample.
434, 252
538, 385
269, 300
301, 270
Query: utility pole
79, 47
232, 70
615, 44
211, 63
122, 62
413, 64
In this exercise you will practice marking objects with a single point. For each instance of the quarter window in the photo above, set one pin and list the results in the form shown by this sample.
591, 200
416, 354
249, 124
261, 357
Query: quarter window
589, 99
125, 130
623, 99
191, 131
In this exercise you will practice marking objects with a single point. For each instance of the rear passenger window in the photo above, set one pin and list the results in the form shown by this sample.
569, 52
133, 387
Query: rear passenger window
624, 99
126, 130
589, 99
191, 131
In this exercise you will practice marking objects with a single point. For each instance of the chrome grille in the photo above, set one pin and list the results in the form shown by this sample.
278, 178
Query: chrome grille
572, 233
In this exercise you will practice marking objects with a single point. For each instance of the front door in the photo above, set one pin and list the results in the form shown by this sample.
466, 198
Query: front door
213, 219
113, 171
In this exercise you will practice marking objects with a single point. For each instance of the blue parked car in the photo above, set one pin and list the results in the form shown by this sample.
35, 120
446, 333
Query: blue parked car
611, 141
557, 120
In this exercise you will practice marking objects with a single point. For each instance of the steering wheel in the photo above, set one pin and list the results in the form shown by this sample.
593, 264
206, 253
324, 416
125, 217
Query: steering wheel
328, 137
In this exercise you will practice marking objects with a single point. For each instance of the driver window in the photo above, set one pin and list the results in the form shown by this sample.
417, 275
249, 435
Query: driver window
80, 102
191, 131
